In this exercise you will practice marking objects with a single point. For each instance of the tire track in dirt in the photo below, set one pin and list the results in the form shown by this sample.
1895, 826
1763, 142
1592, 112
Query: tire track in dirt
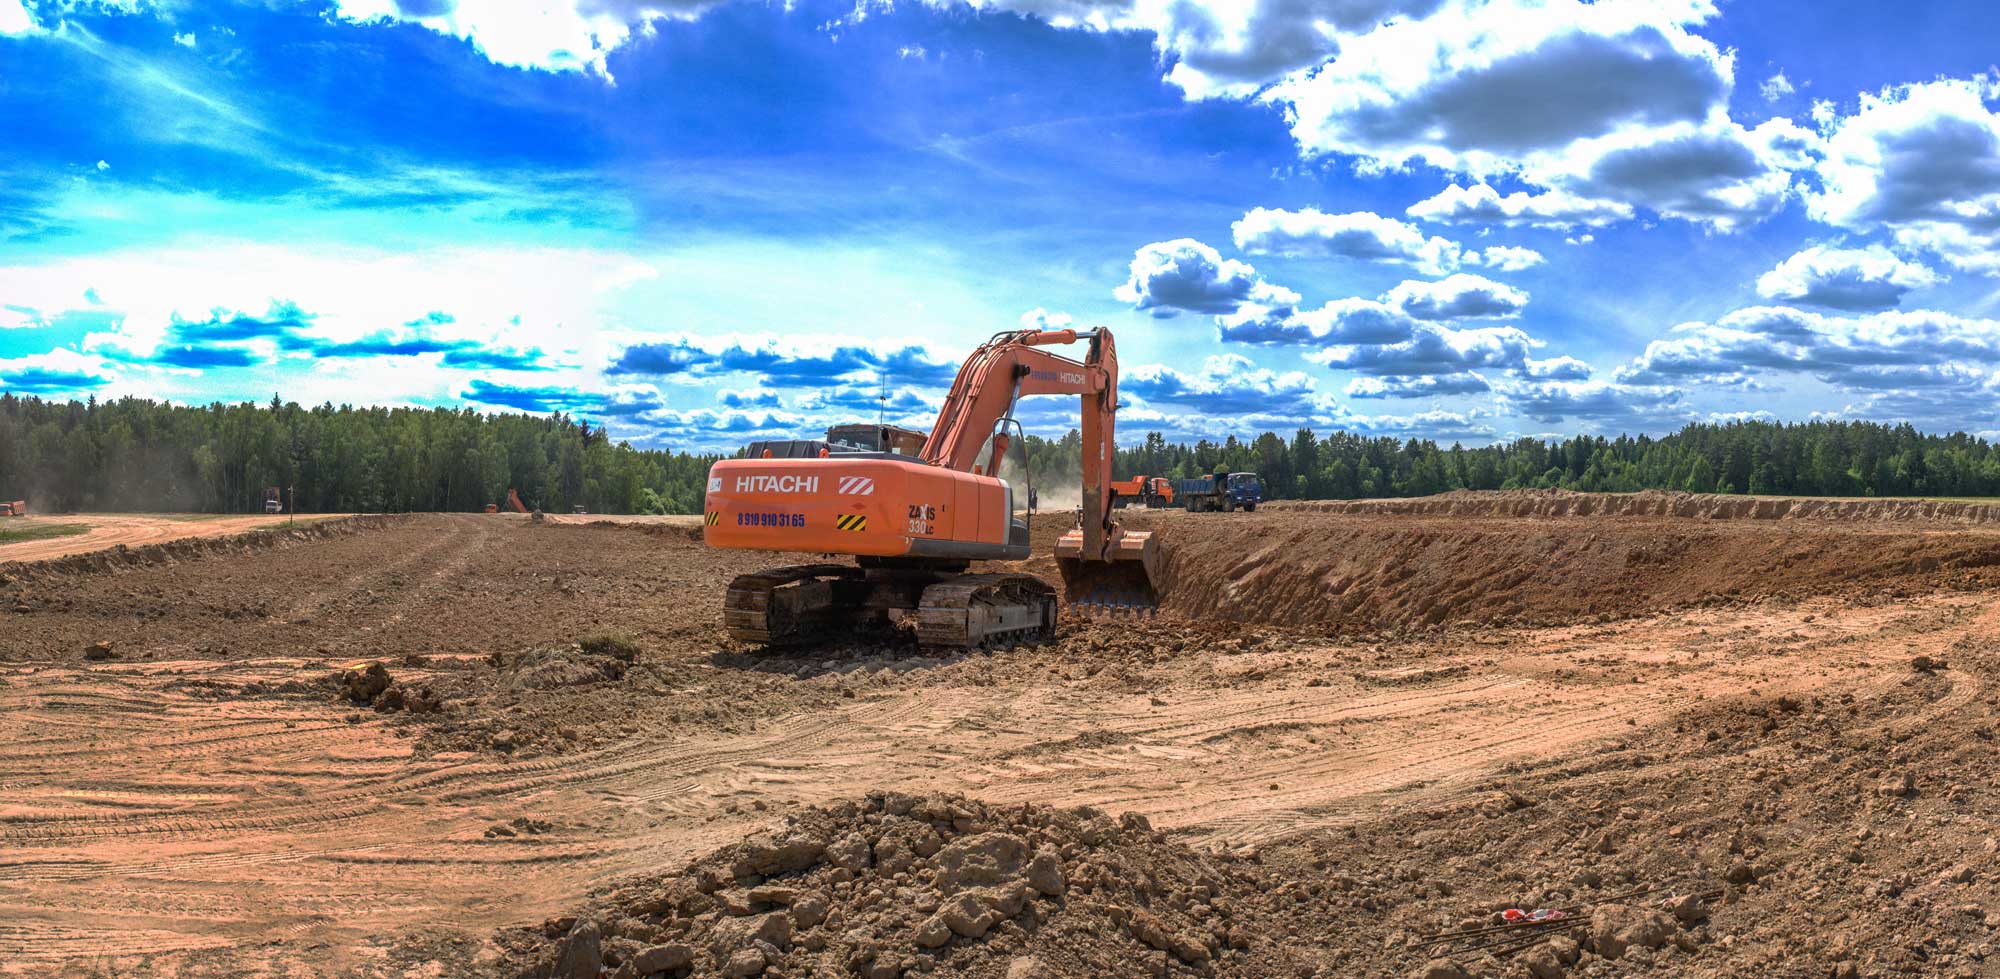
318, 600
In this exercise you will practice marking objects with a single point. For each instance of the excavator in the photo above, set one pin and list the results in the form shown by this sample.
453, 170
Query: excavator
915, 525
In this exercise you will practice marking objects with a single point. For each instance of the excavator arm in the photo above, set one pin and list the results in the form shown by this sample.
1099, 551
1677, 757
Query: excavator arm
970, 435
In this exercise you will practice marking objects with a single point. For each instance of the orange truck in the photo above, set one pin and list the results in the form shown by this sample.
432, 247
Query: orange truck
18, 508
1124, 491
1155, 492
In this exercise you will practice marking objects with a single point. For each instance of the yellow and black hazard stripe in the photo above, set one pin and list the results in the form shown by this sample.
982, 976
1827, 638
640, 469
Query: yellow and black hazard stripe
851, 521
714, 517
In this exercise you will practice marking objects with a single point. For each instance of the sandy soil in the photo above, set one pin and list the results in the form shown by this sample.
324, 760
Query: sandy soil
209, 801
685, 521
131, 530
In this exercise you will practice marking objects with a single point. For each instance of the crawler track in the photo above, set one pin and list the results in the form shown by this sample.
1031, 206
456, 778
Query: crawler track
975, 610
788, 605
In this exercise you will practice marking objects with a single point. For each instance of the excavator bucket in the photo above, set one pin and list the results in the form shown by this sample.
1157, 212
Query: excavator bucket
1121, 580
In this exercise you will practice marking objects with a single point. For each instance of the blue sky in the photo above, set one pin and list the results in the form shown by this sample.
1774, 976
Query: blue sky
703, 221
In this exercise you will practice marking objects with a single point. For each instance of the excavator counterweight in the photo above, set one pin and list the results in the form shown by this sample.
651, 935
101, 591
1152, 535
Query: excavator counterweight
915, 524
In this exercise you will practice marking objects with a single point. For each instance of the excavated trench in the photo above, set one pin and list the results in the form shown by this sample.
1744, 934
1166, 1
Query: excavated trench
1538, 559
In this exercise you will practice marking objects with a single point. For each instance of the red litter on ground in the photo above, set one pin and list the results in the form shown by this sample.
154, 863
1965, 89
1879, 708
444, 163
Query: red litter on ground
1539, 914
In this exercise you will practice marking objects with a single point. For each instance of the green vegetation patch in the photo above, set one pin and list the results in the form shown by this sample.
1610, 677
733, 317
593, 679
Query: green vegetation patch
11, 534
610, 644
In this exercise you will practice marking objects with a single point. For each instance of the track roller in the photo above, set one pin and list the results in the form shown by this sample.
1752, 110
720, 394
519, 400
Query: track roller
780, 606
968, 611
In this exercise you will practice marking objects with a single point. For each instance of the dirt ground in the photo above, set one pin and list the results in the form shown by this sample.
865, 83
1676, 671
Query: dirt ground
129, 530
1348, 731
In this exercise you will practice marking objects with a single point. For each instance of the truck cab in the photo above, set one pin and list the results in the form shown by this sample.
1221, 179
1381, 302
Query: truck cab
1244, 490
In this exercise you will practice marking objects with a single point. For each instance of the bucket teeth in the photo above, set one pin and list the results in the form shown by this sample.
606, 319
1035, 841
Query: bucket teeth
1115, 603
1109, 586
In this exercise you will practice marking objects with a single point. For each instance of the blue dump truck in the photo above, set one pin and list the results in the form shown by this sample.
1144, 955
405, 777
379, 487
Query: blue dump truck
1221, 492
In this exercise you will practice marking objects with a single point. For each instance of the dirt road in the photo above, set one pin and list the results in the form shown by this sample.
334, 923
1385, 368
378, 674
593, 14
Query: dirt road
131, 530
206, 804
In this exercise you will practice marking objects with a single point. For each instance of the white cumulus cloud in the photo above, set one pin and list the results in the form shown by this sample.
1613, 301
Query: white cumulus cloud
14, 19
1367, 237
1342, 321
557, 35
1225, 384
1460, 296
1551, 402
1169, 277
1923, 160
1902, 350
1225, 48
1434, 349
1776, 87
1861, 279
1491, 86
1481, 204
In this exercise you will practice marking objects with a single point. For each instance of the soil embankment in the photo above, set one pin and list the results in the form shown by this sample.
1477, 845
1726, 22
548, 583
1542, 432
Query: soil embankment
1549, 558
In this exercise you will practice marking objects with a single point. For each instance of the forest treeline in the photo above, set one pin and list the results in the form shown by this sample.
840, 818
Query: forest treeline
1807, 459
138, 455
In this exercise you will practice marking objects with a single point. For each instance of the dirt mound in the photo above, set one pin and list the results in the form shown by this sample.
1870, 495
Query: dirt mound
1657, 503
935, 885
1348, 572
1811, 836
121, 557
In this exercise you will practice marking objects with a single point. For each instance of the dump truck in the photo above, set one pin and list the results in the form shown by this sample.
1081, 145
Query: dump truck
1154, 492
1124, 492
915, 524
1222, 492
17, 508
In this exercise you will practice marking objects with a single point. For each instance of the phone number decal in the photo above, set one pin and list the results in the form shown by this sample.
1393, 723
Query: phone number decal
770, 520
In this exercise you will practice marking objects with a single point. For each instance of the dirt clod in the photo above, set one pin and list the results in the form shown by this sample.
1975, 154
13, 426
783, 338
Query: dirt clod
580, 955
363, 685
1440, 969
1616, 928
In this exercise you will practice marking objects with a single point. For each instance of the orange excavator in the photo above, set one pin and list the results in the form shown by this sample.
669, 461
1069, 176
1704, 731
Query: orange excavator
914, 526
